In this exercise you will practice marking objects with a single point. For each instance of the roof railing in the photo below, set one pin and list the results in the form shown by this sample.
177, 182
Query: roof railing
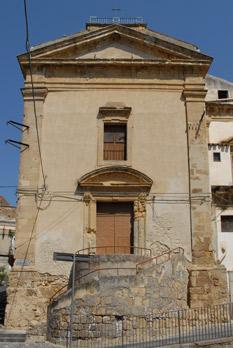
118, 20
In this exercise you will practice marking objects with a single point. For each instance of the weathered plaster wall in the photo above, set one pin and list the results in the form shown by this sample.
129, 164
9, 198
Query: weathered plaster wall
220, 131
213, 84
225, 240
69, 135
220, 172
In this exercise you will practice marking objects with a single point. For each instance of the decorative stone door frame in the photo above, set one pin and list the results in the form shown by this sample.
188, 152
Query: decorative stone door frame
114, 184
90, 213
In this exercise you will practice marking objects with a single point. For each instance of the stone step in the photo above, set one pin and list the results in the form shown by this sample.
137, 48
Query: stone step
12, 336
111, 262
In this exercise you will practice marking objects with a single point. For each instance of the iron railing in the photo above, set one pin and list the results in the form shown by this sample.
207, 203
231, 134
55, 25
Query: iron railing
119, 20
152, 330
160, 258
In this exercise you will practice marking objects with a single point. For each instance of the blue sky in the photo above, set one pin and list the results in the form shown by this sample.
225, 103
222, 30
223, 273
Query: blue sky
206, 23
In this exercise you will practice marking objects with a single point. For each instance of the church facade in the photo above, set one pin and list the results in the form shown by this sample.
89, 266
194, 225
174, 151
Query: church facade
123, 148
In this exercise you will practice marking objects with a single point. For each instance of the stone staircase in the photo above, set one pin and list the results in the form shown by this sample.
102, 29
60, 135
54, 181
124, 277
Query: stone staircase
89, 268
111, 285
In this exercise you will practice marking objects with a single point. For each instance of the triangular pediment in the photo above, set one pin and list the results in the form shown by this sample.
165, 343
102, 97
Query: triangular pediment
115, 42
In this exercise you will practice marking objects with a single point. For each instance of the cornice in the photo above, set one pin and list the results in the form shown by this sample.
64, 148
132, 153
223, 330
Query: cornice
219, 108
126, 62
144, 37
39, 94
197, 95
114, 111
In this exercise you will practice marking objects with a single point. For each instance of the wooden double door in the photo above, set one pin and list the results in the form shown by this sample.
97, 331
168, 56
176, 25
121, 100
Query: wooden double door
114, 234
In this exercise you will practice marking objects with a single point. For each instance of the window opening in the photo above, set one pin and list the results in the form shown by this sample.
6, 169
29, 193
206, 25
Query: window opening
115, 139
217, 156
227, 223
222, 94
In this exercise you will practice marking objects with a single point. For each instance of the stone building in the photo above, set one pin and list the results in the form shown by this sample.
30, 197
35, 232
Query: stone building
7, 249
220, 112
123, 139
7, 232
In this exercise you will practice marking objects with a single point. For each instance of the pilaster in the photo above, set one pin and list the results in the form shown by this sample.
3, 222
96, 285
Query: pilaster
208, 282
139, 221
29, 177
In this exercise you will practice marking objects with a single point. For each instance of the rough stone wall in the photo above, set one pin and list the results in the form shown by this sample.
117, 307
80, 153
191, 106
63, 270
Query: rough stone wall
28, 297
107, 297
208, 286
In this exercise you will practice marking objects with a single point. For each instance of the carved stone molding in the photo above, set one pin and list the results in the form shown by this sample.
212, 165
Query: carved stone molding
219, 109
140, 207
87, 198
114, 110
192, 95
40, 93
114, 179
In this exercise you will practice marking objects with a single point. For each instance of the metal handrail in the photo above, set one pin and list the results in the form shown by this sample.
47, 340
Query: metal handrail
74, 279
114, 247
179, 249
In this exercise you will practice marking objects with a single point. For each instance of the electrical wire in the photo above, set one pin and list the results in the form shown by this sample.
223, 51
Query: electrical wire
28, 48
8, 186
7, 206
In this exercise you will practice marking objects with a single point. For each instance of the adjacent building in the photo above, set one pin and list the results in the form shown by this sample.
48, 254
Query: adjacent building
7, 233
220, 111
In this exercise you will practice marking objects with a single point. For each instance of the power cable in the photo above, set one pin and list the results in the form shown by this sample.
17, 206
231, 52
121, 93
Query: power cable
28, 48
8, 186
7, 206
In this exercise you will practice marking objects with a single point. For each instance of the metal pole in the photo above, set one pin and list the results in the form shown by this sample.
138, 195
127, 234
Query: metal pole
72, 302
179, 327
